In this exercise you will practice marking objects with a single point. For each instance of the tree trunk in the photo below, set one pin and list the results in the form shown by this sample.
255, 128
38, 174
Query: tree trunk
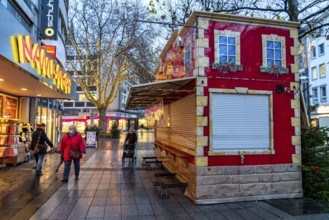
293, 10
102, 120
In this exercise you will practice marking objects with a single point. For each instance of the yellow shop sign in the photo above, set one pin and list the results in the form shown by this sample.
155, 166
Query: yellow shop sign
26, 52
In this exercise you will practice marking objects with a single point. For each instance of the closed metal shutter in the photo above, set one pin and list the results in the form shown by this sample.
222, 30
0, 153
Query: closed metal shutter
182, 121
240, 122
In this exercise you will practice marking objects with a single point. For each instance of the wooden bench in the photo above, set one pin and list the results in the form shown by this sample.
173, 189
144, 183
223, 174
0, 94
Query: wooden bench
148, 164
148, 158
157, 176
164, 186
166, 181
172, 150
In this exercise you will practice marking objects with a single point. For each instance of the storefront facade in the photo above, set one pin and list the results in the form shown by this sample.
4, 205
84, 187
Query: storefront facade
228, 123
122, 120
32, 83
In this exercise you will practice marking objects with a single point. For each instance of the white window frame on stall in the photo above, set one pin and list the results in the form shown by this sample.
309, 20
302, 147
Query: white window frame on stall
280, 40
247, 128
228, 34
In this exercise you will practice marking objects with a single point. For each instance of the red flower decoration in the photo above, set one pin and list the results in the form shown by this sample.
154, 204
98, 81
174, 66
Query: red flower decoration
316, 169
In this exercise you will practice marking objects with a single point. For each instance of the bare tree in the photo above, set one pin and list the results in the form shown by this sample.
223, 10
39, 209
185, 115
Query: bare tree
110, 47
306, 12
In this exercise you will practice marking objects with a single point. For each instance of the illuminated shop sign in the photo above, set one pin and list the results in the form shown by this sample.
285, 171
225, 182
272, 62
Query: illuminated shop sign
49, 19
26, 52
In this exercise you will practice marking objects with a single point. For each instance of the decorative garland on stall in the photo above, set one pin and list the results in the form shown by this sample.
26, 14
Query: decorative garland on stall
226, 67
274, 70
154, 114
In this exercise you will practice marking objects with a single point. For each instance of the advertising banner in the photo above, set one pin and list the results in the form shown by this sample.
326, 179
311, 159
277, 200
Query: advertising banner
10, 110
51, 50
49, 19
91, 138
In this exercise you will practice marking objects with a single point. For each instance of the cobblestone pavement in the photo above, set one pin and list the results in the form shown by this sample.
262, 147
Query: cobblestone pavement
110, 188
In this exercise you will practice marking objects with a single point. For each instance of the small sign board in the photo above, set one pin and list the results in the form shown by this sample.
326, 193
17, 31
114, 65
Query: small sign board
91, 139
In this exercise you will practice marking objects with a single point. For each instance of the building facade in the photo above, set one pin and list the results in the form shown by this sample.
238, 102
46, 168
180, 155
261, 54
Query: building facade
226, 108
313, 67
318, 48
32, 74
82, 113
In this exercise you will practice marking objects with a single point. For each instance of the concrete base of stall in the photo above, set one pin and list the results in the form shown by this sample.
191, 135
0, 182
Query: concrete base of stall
222, 184
242, 199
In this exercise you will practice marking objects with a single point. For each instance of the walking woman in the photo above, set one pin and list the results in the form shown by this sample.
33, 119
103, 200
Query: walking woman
73, 146
38, 143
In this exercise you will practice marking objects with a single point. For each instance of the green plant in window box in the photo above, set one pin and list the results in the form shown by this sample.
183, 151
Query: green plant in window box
226, 67
275, 70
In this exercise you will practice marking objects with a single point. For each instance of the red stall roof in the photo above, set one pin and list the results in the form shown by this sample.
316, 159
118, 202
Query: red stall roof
145, 95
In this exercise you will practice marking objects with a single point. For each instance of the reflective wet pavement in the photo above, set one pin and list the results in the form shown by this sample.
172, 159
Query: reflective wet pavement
111, 189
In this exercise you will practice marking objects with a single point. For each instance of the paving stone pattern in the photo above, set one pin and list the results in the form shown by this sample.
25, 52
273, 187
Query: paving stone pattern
111, 189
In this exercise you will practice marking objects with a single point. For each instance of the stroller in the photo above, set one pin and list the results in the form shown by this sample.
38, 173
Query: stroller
129, 151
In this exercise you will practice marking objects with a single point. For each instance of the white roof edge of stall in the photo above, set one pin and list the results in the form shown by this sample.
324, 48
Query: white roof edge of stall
143, 96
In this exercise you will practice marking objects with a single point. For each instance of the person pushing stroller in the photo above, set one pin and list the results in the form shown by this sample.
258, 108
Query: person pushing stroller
129, 144
131, 137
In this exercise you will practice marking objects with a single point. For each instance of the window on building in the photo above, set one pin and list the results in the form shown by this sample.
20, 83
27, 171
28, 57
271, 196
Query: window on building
89, 104
94, 95
313, 51
71, 57
322, 69
314, 73
323, 94
315, 95
240, 122
92, 88
68, 104
227, 48
273, 53
20, 15
321, 49
81, 97
187, 55
79, 104
300, 61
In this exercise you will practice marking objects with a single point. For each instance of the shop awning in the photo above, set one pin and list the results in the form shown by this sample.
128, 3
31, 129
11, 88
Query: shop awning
15, 79
145, 95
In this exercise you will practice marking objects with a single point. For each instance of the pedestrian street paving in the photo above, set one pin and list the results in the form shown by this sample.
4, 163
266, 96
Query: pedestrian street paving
111, 189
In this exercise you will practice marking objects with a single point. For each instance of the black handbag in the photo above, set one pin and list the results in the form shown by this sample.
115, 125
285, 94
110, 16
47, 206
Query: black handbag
40, 148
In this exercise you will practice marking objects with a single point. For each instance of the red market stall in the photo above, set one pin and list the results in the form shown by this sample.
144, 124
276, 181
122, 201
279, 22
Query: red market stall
227, 112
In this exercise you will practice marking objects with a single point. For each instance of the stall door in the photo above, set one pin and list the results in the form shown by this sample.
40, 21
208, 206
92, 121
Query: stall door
183, 124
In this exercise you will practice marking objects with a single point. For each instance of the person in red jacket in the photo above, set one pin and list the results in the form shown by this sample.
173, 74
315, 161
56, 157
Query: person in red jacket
72, 141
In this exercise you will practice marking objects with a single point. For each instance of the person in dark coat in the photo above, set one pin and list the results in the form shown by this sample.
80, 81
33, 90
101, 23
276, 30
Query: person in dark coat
32, 146
131, 137
40, 137
96, 129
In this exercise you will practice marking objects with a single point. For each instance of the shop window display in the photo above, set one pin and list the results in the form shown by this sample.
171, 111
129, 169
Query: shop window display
122, 124
12, 149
